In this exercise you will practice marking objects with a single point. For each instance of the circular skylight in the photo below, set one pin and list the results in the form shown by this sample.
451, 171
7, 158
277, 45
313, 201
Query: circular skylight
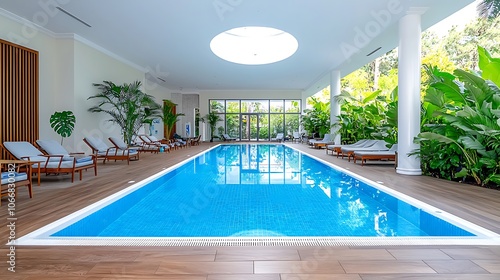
254, 45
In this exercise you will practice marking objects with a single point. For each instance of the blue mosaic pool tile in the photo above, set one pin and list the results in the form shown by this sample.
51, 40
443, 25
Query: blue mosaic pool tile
240, 190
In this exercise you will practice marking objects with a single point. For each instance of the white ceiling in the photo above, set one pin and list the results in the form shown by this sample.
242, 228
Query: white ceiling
170, 38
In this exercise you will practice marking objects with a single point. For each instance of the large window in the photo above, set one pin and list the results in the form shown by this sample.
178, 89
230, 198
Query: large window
256, 120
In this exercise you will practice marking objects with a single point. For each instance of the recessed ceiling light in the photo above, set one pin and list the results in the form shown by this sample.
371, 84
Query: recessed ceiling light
254, 45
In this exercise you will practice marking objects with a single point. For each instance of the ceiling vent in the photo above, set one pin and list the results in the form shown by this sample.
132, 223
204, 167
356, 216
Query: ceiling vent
73, 16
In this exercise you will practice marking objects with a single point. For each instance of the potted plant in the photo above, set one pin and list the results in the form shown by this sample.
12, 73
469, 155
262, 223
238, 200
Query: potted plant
169, 117
127, 106
212, 118
63, 123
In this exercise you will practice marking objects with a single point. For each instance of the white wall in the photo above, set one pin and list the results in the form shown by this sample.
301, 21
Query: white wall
68, 66
93, 66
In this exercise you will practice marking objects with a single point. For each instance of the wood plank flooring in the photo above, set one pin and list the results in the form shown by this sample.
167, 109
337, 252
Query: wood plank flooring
57, 197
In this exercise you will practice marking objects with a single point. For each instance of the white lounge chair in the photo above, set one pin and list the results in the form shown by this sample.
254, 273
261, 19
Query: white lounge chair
279, 137
148, 145
61, 162
104, 152
389, 154
327, 139
378, 145
129, 153
296, 136
336, 148
226, 137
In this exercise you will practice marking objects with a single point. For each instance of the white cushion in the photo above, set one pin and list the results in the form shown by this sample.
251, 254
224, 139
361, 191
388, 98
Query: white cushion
22, 149
97, 143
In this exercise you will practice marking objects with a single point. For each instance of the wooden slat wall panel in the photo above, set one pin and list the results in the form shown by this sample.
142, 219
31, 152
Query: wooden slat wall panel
19, 94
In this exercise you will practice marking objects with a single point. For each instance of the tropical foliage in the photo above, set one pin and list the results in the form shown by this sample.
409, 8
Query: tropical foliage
462, 136
316, 121
488, 8
372, 117
127, 105
63, 123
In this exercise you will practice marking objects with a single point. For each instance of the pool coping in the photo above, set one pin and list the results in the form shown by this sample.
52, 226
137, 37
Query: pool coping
41, 236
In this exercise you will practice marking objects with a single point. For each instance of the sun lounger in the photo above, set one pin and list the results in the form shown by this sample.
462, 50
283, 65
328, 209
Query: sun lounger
389, 154
336, 148
62, 162
378, 145
280, 137
327, 139
149, 145
129, 153
106, 153
228, 138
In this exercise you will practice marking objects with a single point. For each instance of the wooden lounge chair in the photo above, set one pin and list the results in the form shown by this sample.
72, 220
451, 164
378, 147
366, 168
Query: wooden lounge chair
336, 148
15, 174
61, 162
196, 141
106, 153
150, 145
378, 145
376, 155
318, 144
129, 152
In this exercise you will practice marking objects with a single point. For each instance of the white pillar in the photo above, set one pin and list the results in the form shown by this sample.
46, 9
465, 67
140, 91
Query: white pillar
334, 105
303, 105
409, 92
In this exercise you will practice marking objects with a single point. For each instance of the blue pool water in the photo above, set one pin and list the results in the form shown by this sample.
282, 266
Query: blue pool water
258, 190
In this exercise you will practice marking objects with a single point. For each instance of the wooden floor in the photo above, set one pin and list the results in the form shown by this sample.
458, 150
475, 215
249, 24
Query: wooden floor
57, 197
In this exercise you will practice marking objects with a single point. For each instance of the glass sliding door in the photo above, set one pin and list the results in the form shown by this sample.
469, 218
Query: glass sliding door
254, 127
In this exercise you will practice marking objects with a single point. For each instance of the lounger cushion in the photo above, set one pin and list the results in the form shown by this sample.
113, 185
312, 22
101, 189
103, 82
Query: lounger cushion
16, 175
22, 149
97, 143
52, 147
119, 142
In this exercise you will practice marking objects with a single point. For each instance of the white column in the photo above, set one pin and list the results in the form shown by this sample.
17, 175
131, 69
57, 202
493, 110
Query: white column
334, 105
409, 92
303, 105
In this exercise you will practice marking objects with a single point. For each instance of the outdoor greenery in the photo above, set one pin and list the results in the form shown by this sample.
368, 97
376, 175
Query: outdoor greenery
127, 105
462, 136
257, 119
316, 120
63, 123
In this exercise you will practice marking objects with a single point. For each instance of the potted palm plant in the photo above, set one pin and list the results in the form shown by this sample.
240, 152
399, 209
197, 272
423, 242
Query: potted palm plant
212, 118
127, 105
169, 117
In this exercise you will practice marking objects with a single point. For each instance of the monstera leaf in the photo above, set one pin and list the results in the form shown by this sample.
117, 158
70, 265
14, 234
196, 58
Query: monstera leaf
63, 123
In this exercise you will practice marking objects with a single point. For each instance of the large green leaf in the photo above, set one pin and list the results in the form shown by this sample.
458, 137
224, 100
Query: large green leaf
489, 66
372, 96
451, 91
437, 137
63, 123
